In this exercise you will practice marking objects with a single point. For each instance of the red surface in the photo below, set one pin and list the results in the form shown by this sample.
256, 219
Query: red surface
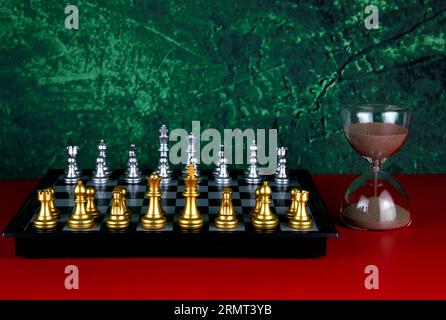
411, 261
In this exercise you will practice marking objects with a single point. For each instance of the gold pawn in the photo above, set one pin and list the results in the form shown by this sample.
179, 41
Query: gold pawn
155, 217
227, 217
117, 219
80, 218
190, 217
123, 192
91, 205
302, 220
45, 219
294, 205
265, 219
53, 209
256, 208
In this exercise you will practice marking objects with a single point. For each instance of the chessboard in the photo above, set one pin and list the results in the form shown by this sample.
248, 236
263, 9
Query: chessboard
209, 241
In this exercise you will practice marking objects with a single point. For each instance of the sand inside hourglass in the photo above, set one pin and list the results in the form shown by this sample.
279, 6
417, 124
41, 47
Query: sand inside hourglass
376, 141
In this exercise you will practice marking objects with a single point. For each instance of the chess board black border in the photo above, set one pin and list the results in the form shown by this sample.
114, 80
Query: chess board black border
172, 244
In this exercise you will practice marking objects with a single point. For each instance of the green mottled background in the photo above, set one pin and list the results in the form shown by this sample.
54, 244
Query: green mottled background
290, 65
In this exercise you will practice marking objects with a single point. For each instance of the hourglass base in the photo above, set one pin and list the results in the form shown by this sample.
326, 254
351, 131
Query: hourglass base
375, 202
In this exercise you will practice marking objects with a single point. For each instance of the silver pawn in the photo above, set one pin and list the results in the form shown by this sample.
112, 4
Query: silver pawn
252, 173
133, 174
99, 174
71, 176
102, 152
281, 175
223, 176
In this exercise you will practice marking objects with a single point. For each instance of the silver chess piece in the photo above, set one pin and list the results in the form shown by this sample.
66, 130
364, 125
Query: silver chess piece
163, 171
99, 174
102, 152
281, 175
221, 156
132, 173
191, 155
252, 173
163, 165
72, 152
223, 176
71, 176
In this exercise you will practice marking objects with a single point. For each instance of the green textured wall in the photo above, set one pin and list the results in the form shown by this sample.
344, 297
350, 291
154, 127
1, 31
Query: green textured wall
291, 65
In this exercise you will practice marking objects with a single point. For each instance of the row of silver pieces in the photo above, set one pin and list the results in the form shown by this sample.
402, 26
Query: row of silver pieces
134, 175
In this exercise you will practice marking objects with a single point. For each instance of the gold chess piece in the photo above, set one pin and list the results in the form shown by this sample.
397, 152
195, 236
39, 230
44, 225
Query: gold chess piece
80, 218
227, 217
294, 205
265, 219
302, 220
256, 208
91, 204
155, 217
117, 219
53, 209
126, 210
45, 219
190, 218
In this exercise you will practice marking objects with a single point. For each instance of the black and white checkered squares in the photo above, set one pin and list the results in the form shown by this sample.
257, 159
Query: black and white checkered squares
173, 202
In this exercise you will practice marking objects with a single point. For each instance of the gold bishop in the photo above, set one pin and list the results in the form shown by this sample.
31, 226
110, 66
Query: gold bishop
80, 218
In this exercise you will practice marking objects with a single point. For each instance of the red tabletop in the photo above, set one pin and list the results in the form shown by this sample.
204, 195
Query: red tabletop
411, 261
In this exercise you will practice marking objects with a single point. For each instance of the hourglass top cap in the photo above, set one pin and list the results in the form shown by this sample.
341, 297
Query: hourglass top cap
377, 107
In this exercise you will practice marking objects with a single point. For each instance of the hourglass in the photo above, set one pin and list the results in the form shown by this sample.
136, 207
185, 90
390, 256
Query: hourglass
376, 200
